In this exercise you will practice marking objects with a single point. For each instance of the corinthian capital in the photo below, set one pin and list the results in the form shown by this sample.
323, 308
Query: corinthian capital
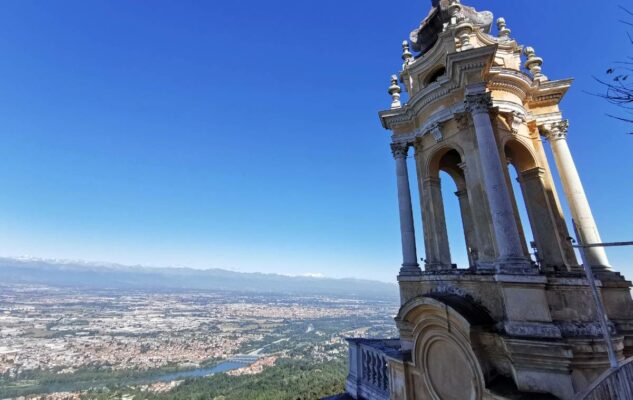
400, 150
478, 102
556, 130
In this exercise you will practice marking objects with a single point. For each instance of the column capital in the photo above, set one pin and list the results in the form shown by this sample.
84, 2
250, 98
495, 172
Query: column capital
477, 103
555, 130
400, 150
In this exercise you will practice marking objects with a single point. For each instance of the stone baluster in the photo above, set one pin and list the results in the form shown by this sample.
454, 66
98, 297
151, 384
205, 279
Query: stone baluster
410, 264
504, 32
372, 358
381, 374
510, 256
385, 374
395, 90
365, 371
534, 64
556, 134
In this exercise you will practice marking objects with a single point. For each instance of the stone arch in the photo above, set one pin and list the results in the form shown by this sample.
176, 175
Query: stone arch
549, 241
432, 163
520, 155
442, 351
447, 158
434, 75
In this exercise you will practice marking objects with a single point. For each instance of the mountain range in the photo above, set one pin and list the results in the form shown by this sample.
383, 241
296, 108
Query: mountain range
113, 276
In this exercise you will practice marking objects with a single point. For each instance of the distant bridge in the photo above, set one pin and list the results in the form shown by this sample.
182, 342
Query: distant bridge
244, 358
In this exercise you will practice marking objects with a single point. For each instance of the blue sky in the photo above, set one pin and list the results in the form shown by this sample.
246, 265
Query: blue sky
244, 134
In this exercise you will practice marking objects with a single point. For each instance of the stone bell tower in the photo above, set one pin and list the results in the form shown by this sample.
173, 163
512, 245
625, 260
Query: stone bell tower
478, 104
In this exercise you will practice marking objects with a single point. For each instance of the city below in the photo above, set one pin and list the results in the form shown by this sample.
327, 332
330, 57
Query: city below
65, 342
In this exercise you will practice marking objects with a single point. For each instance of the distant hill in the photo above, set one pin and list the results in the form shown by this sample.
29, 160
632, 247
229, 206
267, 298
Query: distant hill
112, 276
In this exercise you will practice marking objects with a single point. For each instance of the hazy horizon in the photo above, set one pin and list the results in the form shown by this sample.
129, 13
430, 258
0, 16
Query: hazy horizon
106, 264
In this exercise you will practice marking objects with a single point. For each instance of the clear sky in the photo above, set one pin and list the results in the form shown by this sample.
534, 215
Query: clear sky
244, 134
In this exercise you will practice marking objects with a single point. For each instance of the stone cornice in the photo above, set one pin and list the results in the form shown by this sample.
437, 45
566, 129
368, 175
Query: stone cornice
489, 40
548, 93
433, 122
458, 112
459, 67
511, 81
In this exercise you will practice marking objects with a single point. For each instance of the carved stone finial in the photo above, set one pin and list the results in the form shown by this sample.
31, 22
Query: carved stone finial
478, 102
406, 53
455, 11
556, 130
400, 150
394, 91
504, 32
534, 63
463, 32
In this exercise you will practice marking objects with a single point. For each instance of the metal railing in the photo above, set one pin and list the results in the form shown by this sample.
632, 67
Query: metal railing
615, 384
602, 314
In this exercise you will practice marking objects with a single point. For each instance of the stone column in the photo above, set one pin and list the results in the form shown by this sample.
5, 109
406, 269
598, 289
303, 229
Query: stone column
410, 264
469, 229
510, 256
438, 254
549, 240
556, 134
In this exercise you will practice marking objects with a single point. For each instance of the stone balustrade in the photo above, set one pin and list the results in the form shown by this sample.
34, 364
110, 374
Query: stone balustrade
369, 372
374, 367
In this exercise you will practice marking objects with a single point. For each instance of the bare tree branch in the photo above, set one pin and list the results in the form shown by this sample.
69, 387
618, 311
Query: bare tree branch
618, 83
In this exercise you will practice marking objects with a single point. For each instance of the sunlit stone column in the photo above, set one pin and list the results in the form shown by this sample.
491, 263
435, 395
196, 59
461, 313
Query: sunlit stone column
410, 264
556, 134
510, 255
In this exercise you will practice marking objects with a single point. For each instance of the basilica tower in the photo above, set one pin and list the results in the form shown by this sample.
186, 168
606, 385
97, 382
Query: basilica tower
507, 323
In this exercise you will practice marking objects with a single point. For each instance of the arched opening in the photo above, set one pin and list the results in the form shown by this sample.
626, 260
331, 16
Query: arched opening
520, 209
446, 166
535, 215
435, 76
454, 222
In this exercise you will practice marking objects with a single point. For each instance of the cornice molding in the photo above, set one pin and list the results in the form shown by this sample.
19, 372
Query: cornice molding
458, 65
548, 93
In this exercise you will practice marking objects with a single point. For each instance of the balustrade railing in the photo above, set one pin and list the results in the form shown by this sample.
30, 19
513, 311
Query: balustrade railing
368, 376
374, 368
